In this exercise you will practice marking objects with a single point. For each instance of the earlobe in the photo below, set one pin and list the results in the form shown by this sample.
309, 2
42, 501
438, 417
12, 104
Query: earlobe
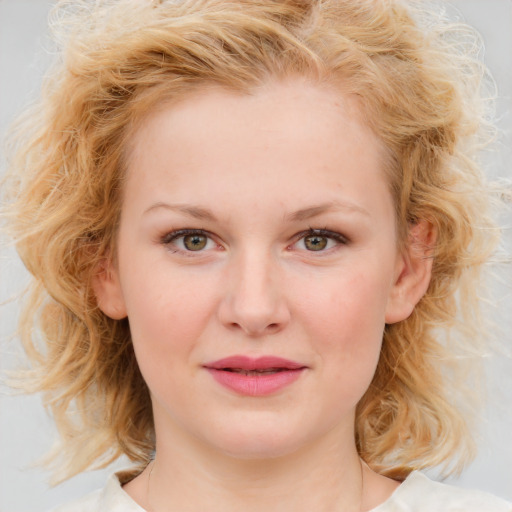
107, 290
414, 270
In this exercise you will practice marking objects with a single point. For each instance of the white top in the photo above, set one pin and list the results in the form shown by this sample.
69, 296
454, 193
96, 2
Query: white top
416, 494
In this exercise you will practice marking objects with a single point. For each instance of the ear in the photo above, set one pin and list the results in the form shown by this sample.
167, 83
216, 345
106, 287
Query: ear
108, 291
413, 272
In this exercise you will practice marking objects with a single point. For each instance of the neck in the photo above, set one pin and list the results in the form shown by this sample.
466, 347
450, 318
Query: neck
324, 477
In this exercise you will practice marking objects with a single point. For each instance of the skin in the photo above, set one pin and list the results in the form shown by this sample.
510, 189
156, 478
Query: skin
256, 172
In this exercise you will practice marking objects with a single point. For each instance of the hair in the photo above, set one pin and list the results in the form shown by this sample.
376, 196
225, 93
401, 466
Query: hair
421, 88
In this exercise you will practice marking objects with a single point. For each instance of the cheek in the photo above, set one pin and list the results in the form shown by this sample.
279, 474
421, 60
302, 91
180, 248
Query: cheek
168, 312
346, 318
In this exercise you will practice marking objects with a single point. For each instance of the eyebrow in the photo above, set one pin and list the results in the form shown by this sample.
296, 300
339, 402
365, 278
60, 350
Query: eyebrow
310, 212
193, 211
316, 210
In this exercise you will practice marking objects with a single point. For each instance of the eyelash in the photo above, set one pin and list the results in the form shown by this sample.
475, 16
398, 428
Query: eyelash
172, 236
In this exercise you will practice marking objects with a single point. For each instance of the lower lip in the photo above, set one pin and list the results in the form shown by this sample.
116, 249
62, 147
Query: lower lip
255, 385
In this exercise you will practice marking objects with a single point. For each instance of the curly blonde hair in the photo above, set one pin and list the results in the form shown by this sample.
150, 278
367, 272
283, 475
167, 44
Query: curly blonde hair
419, 82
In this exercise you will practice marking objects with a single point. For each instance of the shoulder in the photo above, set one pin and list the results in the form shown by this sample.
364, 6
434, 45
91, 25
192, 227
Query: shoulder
111, 498
86, 504
420, 494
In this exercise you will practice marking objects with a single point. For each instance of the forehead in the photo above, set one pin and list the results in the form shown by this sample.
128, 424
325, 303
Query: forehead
279, 109
295, 132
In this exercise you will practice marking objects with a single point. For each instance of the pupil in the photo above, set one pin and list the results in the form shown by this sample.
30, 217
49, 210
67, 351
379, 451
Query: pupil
194, 242
315, 243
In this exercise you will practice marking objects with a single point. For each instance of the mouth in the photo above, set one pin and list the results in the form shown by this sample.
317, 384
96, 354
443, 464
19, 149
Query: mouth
255, 377
259, 365
268, 371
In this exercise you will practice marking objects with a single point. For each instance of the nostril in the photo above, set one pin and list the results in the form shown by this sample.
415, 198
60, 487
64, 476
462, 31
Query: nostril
270, 327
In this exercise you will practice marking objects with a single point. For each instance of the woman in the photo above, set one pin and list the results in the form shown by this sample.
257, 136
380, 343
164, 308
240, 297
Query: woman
277, 208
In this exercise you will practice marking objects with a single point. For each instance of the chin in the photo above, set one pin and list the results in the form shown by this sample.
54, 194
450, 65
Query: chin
259, 442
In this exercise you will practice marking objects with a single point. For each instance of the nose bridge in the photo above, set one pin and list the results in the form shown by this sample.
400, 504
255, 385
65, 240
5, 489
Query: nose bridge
254, 301
254, 279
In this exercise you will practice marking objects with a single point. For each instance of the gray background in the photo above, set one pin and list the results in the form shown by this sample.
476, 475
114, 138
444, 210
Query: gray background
25, 430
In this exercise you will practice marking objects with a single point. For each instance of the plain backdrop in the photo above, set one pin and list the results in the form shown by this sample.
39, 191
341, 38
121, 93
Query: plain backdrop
26, 431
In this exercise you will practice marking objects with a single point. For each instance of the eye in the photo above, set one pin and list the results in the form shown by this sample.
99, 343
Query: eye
189, 240
195, 242
319, 240
315, 242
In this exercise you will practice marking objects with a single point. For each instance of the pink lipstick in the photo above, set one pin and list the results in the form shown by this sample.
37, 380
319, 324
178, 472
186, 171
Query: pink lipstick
255, 377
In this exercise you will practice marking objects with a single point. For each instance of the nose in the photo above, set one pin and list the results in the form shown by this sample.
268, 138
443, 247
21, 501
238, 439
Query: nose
254, 302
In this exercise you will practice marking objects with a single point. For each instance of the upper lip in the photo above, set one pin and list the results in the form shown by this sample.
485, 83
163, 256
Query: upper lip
249, 363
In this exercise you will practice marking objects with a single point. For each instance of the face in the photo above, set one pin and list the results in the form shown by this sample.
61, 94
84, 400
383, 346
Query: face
257, 264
